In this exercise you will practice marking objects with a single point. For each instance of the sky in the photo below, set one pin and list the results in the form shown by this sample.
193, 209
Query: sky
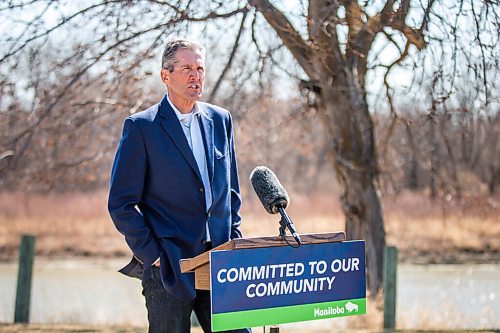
401, 77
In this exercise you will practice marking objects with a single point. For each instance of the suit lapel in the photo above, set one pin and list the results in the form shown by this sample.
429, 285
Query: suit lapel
207, 126
172, 126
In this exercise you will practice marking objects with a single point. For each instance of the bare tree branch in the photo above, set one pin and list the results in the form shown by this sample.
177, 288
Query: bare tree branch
483, 58
299, 49
230, 60
45, 33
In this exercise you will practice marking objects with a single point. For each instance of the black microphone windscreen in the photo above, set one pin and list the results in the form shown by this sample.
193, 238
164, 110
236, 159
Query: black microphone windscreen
269, 189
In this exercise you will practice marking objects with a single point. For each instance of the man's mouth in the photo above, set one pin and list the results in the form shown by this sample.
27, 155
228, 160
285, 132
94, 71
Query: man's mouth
194, 86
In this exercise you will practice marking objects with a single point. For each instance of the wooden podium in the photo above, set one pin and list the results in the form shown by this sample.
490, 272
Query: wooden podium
200, 264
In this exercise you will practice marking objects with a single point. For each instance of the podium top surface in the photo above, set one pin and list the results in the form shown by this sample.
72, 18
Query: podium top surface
191, 264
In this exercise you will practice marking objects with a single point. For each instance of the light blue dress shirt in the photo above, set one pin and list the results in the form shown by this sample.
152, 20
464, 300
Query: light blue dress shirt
192, 131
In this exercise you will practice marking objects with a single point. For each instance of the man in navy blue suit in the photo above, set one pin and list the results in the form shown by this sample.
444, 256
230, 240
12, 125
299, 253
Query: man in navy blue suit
174, 189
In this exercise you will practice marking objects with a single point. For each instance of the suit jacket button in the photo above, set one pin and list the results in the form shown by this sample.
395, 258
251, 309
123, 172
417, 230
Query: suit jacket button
209, 214
202, 189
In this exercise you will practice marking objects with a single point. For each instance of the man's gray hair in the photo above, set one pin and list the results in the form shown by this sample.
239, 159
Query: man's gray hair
168, 59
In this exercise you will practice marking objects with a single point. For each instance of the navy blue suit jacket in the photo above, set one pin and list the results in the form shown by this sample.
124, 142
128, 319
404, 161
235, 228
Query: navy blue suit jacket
156, 198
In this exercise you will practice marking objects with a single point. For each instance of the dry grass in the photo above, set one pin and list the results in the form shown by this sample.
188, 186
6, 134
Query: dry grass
18, 328
61, 328
423, 230
444, 231
65, 224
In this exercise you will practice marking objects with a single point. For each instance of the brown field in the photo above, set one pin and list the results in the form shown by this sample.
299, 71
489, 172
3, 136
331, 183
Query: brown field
425, 231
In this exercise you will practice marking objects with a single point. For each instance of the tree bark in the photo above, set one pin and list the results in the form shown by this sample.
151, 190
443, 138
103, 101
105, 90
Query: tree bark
345, 115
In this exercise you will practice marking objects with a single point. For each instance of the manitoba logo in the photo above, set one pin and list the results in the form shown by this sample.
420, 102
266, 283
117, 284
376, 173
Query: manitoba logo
328, 311
351, 307
336, 310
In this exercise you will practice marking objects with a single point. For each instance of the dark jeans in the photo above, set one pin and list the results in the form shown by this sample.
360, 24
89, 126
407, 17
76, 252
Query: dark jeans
167, 314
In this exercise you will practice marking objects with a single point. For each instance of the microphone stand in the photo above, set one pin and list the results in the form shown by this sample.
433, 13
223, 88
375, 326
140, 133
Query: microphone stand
286, 222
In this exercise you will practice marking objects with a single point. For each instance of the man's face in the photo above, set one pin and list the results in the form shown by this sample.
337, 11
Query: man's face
185, 82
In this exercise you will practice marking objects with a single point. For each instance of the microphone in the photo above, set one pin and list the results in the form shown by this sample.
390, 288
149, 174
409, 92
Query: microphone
273, 196
269, 189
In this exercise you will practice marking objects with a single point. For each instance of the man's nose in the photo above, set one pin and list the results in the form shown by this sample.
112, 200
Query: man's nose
194, 74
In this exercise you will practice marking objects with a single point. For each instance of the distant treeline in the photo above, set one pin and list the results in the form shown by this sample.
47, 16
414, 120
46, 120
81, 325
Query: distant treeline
69, 143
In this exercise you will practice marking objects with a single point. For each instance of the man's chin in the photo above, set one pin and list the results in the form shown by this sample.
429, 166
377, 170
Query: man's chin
196, 96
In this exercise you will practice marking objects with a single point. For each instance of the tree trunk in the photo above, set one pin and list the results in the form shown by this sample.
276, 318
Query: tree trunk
338, 81
493, 179
364, 220
412, 173
434, 157
345, 115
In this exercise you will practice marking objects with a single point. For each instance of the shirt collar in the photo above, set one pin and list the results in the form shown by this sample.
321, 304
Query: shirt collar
185, 116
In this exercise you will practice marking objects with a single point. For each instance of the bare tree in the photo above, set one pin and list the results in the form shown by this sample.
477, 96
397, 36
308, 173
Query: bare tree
336, 67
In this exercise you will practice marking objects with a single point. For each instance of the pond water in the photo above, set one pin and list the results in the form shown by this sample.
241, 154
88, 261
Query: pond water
90, 291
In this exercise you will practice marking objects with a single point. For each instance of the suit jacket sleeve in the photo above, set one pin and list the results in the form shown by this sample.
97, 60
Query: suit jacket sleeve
235, 189
127, 182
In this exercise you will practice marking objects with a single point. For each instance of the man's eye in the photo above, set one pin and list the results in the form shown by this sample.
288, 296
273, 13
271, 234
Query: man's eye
201, 69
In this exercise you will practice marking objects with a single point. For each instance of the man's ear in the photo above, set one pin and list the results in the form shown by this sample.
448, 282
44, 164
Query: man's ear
164, 74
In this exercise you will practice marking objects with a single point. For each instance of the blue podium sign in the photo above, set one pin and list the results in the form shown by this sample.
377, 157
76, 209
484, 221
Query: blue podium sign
265, 286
